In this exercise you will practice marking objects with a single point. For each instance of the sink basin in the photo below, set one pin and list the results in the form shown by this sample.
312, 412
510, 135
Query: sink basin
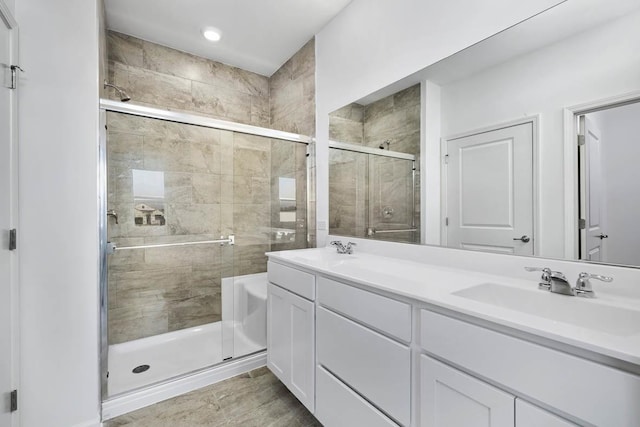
560, 308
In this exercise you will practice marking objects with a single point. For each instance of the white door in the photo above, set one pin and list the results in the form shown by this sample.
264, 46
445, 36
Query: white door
7, 261
451, 398
489, 191
592, 236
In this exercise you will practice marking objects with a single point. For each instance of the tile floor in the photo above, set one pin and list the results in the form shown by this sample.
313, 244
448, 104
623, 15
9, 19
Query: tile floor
254, 399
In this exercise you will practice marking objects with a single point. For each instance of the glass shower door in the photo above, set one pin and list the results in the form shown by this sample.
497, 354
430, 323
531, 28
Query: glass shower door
392, 203
170, 232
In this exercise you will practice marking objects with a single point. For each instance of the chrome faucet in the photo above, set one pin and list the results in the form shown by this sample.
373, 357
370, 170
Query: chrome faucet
556, 282
342, 248
560, 284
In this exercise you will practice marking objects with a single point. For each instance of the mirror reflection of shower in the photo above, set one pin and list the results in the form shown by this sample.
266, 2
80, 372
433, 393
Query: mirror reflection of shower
123, 95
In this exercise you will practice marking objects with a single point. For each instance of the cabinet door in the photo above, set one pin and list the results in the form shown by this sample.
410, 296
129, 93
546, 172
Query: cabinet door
278, 333
528, 415
451, 398
290, 342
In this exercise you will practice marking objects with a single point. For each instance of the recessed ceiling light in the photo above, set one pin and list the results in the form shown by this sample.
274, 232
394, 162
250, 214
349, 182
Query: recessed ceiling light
212, 34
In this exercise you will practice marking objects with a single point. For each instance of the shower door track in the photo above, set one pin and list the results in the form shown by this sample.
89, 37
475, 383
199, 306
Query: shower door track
107, 105
369, 150
194, 119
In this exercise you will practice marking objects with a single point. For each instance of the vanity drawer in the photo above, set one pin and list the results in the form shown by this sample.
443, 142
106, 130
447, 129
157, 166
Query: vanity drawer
292, 279
589, 391
385, 314
337, 405
377, 367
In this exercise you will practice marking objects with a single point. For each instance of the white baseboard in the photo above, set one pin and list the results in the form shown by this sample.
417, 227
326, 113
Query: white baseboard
94, 423
121, 405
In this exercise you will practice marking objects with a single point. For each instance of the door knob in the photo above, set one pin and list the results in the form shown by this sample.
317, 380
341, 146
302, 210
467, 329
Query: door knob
602, 236
524, 239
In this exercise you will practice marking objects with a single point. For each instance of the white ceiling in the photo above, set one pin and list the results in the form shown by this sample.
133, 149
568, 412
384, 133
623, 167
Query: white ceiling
257, 35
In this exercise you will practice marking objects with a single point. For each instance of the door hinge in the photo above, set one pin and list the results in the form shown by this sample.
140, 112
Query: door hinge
581, 140
582, 224
446, 159
13, 404
13, 239
14, 76
446, 221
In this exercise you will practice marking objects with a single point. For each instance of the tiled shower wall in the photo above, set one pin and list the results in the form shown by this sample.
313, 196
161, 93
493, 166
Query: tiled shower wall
216, 182
395, 118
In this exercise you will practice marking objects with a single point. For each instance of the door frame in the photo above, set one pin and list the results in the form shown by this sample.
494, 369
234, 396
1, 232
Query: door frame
535, 123
571, 178
7, 18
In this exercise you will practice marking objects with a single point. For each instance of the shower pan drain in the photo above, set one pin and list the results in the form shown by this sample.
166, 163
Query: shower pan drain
140, 369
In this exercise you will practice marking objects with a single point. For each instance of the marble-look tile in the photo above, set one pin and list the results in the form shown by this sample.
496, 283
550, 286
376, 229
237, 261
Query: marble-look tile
409, 97
178, 187
193, 219
254, 399
260, 112
129, 323
124, 150
387, 126
206, 188
221, 101
251, 190
173, 62
153, 88
251, 156
353, 112
124, 49
345, 130
162, 154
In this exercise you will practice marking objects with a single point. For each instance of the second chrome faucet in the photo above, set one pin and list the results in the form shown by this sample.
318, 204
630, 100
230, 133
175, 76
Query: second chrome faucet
556, 282
342, 248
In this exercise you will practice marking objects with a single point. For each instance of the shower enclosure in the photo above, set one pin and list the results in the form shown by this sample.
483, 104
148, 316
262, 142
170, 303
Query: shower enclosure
373, 193
190, 206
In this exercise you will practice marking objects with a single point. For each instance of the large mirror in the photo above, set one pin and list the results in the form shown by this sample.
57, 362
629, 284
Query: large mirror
529, 144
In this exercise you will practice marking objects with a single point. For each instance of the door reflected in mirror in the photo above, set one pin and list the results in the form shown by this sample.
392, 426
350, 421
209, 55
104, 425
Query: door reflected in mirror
523, 142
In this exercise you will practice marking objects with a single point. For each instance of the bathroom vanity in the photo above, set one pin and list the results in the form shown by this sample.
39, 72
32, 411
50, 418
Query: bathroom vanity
366, 339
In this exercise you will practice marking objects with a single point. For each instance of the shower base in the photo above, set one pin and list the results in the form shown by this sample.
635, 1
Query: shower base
146, 361
167, 355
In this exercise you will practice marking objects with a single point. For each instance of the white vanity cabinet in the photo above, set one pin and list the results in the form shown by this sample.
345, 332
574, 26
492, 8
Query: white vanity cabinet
358, 354
589, 391
362, 345
528, 415
451, 398
291, 331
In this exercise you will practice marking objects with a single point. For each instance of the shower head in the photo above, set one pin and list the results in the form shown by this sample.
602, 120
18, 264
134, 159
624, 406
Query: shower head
123, 95
386, 141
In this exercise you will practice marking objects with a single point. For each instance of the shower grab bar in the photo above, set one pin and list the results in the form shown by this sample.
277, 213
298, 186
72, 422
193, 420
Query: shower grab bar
372, 231
111, 247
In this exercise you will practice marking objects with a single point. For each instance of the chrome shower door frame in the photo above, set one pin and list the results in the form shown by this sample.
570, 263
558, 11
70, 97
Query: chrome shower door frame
172, 116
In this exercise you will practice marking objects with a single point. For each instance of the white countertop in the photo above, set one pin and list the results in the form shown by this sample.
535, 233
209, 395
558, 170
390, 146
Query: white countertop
435, 285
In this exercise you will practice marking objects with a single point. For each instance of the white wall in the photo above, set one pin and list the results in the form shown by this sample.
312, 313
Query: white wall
58, 239
373, 43
620, 149
588, 67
